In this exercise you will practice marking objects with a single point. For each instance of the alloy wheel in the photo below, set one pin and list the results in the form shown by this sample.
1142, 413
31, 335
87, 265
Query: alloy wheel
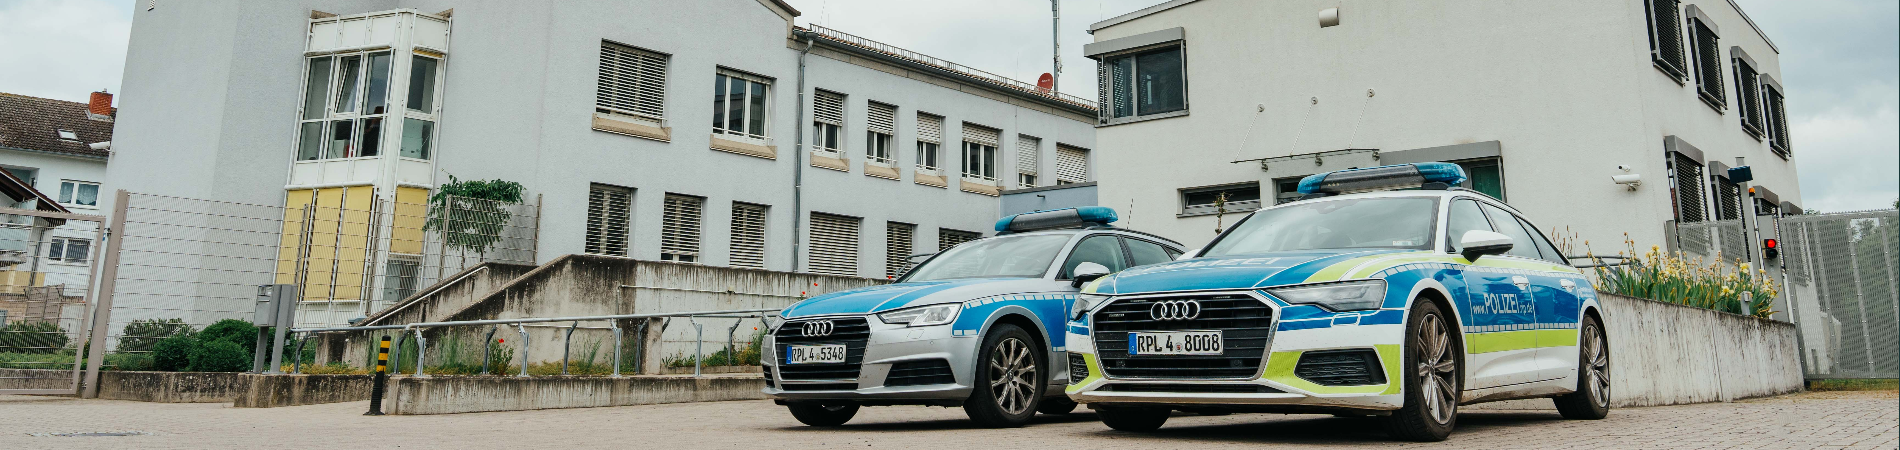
1013, 375
1596, 370
1437, 369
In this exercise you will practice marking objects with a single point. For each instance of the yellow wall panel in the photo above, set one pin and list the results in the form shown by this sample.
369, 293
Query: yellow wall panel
411, 210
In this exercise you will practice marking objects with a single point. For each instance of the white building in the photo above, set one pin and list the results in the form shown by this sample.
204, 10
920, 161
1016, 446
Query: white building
50, 145
1541, 102
712, 132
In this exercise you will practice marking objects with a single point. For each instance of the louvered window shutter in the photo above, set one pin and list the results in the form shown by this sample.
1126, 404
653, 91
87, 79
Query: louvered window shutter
883, 118
947, 238
1777, 121
1728, 197
632, 81
834, 245
607, 220
829, 108
1072, 164
679, 228
897, 247
1688, 190
1028, 149
1666, 36
748, 235
1708, 55
1748, 93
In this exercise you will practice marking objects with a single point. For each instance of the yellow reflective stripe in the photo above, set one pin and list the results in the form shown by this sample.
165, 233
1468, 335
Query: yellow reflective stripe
1524, 265
1338, 270
1383, 265
1504, 341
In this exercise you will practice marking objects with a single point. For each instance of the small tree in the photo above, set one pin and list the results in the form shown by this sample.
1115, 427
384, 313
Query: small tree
470, 215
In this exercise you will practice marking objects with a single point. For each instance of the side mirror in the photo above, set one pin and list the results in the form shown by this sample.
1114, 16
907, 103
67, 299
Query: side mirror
1086, 272
1478, 243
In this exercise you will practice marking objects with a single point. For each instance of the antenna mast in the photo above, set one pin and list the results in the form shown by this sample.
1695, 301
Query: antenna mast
1055, 35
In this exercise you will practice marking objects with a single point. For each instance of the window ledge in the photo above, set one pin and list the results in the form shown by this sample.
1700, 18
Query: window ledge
1668, 72
1719, 106
626, 126
933, 180
875, 170
823, 161
1133, 119
743, 148
979, 188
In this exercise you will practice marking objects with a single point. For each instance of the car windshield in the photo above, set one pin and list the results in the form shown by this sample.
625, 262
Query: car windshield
1026, 256
1333, 224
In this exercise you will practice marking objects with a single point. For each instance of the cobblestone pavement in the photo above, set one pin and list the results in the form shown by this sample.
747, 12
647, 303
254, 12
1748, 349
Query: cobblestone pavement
1808, 420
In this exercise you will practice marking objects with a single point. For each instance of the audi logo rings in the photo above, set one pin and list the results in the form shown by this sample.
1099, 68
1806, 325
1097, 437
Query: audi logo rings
818, 328
1175, 310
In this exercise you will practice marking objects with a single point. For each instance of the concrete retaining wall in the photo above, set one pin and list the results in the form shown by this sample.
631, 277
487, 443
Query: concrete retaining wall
271, 391
448, 395
36, 378
170, 387
1666, 354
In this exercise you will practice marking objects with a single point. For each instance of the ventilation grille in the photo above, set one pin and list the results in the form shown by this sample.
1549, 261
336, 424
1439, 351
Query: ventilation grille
920, 373
1078, 368
632, 81
607, 220
834, 245
829, 108
1072, 164
1340, 368
947, 238
748, 235
897, 247
882, 118
679, 228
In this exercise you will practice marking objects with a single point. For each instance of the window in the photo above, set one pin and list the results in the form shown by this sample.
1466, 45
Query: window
1220, 199
879, 130
1522, 244
1687, 188
1072, 164
898, 238
1543, 243
1104, 250
1286, 190
1145, 253
1028, 156
346, 104
1708, 60
1748, 94
1339, 223
1486, 176
632, 83
607, 208
1142, 83
679, 228
68, 135
1728, 199
947, 238
1777, 115
1018, 256
979, 152
739, 105
929, 137
1464, 217
26, 175
1665, 38
79, 193
827, 123
69, 250
834, 244
400, 276
748, 235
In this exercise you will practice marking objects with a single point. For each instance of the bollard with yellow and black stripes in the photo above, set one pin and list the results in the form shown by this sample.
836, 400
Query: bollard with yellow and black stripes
382, 378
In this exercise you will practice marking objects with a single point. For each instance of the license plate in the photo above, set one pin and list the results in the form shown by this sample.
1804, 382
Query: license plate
809, 354
1157, 343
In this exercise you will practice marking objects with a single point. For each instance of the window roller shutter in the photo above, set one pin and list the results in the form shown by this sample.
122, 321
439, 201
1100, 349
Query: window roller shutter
829, 108
1072, 164
834, 245
897, 247
748, 236
679, 229
607, 220
947, 238
883, 119
929, 128
981, 134
1027, 157
632, 81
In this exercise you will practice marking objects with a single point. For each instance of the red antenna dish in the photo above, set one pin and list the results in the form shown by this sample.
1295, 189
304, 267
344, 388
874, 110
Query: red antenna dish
1046, 81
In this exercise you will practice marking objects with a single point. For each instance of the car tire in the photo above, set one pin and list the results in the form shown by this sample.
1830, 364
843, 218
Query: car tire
1431, 375
1009, 380
1591, 401
823, 414
1138, 420
1056, 405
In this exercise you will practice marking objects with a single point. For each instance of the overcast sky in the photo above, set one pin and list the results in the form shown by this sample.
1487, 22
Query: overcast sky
1840, 60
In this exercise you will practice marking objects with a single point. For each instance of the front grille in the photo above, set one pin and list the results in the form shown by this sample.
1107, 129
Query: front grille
1193, 388
821, 387
769, 382
920, 373
850, 331
1246, 325
1340, 368
1078, 368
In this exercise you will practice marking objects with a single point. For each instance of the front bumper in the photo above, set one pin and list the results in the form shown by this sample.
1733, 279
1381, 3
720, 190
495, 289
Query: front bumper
1283, 382
885, 347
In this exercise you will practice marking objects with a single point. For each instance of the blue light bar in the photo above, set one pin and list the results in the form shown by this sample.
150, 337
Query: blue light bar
1382, 178
1057, 218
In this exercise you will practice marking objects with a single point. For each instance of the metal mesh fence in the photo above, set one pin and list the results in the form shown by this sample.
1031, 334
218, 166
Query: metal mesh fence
46, 265
1841, 288
1712, 241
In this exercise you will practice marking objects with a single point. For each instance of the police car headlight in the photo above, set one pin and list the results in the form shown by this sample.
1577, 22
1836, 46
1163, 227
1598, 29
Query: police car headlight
923, 316
1084, 303
1348, 296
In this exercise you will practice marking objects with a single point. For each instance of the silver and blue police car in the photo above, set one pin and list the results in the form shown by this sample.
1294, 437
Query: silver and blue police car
978, 326
1382, 292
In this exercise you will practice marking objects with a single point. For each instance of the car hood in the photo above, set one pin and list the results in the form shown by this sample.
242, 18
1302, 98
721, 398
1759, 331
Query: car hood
1238, 271
893, 296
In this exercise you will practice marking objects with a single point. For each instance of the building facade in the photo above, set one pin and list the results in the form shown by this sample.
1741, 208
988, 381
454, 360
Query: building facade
1212, 100
710, 132
59, 149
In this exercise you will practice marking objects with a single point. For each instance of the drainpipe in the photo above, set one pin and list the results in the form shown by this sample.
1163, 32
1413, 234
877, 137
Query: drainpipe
798, 168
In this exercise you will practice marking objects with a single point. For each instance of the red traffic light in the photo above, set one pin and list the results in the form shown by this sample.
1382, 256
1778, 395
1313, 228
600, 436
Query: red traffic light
1768, 243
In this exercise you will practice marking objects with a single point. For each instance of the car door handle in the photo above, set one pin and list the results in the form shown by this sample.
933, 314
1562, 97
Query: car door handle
1521, 282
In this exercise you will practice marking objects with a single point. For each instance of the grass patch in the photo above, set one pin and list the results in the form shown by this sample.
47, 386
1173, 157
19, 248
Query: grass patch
1856, 384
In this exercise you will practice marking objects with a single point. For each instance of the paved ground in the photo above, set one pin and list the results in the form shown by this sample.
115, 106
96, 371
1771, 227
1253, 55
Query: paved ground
1809, 420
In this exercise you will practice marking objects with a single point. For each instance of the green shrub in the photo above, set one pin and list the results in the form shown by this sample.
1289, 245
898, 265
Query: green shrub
234, 331
220, 356
128, 361
32, 337
173, 354
141, 335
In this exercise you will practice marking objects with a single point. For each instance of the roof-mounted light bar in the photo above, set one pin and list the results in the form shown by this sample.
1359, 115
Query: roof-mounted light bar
1057, 218
1401, 176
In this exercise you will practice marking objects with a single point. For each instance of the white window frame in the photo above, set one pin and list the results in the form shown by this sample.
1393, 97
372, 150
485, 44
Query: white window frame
979, 162
719, 129
929, 150
66, 197
65, 244
355, 117
877, 149
1105, 76
432, 116
67, 135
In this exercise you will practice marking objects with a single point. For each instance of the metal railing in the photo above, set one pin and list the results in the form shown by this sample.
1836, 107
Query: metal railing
959, 69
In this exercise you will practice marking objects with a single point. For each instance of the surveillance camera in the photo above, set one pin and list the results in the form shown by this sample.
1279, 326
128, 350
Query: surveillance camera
1631, 180
1624, 167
